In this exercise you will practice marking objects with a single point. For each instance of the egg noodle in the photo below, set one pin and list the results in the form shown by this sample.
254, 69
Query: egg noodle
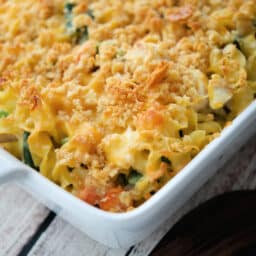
111, 99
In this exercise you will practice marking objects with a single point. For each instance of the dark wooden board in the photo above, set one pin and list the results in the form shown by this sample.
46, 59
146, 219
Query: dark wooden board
225, 225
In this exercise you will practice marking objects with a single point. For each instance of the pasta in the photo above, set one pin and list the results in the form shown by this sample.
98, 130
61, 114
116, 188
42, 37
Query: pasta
111, 99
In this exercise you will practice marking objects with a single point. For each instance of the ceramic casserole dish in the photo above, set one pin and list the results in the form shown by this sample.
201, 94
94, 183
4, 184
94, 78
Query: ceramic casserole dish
122, 110
125, 229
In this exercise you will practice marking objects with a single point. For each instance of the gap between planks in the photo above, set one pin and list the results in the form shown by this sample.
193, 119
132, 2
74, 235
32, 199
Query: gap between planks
20, 216
60, 238
41, 228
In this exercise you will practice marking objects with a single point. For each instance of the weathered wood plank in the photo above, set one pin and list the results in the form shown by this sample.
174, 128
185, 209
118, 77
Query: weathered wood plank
20, 216
62, 239
237, 174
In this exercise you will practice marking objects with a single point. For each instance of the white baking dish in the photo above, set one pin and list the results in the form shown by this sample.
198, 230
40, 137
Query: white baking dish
125, 229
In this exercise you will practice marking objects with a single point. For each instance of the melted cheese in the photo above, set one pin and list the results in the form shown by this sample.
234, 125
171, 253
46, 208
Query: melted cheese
118, 96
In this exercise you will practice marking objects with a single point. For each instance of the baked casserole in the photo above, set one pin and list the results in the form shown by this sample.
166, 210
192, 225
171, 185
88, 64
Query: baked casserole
111, 99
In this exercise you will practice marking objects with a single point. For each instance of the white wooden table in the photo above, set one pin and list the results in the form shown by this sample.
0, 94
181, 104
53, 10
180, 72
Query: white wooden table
29, 228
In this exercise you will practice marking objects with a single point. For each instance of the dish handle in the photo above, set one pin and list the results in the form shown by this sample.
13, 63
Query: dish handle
10, 169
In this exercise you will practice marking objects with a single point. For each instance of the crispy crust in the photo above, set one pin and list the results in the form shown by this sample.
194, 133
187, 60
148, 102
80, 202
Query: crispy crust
135, 89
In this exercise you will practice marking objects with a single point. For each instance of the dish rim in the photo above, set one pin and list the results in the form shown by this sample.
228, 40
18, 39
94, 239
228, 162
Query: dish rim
187, 173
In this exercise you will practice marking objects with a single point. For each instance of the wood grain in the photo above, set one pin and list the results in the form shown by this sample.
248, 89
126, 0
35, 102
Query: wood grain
20, 216
63, 239
23, 215
237, 174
